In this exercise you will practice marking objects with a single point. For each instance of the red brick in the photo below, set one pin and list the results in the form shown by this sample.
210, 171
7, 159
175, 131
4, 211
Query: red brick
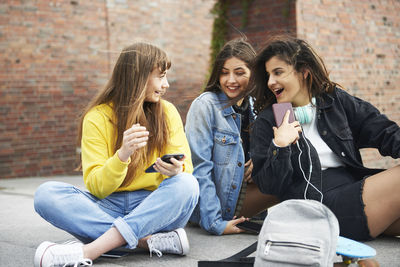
58, 55
359, 41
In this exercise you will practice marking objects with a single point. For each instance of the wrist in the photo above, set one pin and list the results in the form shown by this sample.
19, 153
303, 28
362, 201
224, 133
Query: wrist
279, 143
121, 156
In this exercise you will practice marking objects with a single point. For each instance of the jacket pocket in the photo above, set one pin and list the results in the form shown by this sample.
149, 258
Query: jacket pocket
224, 145
290, 249
345, 134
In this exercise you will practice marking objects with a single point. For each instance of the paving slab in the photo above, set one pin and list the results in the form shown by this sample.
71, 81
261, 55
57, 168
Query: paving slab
22, 230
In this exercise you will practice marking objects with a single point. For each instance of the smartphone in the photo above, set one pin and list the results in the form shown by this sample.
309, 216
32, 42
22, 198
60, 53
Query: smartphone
250, 226
280, 109
115, 254
166, 158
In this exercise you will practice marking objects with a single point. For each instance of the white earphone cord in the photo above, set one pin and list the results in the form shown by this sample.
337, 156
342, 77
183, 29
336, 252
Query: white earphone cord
308, 180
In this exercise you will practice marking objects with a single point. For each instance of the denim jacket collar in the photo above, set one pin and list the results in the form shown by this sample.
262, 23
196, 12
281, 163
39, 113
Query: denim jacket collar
228, 110
224, 101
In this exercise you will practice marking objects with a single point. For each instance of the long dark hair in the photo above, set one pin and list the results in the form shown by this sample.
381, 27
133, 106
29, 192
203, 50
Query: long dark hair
297, 53
126, 92
238, 48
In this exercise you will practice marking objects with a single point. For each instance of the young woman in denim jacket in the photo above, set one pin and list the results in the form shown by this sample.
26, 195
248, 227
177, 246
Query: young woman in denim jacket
324, 149
124, 129
217, 131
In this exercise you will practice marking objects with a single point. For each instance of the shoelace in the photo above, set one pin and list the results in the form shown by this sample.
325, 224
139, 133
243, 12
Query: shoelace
65, 254
164, 242
153, 249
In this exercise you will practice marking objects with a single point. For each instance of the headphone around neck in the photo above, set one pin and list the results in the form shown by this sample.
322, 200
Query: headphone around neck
304, 114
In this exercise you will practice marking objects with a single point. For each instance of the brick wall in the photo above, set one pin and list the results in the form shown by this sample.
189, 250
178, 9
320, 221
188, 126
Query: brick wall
263, 18
181, 28
359, 41
54, 57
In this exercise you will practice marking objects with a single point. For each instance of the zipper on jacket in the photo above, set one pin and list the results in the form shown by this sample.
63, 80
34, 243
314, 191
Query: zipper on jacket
270, 243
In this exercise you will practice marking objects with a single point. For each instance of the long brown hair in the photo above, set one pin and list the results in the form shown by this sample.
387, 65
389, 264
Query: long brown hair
126, 92
297, 53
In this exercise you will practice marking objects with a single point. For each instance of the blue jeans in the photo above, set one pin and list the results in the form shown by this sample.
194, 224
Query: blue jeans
135, 214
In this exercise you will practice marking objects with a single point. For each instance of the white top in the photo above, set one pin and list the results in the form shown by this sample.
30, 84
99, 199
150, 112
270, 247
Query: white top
327, 158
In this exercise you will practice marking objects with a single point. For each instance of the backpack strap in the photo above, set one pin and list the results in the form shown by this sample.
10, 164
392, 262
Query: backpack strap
239, 259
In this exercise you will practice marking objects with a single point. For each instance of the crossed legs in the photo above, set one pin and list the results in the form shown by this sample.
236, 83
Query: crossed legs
79, 213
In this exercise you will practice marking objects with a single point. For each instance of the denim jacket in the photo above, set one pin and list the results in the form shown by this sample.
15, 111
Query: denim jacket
345, 123
213, 132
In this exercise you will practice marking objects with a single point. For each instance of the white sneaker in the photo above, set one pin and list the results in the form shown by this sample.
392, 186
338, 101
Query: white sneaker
50, 254
174, 242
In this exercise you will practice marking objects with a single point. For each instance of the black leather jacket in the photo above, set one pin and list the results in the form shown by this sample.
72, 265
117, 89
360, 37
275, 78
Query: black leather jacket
346, 124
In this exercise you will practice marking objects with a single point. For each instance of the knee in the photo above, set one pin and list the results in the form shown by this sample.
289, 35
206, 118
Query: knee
45, 195
187, 186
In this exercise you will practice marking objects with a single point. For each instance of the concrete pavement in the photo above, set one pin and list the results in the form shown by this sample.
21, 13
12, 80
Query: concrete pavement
22, 230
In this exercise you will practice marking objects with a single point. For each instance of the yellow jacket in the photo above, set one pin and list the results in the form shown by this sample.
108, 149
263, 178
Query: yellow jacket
104, 172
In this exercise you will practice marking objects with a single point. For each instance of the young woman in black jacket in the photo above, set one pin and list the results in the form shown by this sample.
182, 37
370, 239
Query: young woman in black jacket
317, 156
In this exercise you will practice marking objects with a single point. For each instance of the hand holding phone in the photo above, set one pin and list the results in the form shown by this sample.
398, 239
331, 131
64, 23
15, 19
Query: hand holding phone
280, 109
288, 129
251, 227
166, 158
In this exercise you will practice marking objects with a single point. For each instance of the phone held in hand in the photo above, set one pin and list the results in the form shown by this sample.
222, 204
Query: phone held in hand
280, 109
251, 227
166, 158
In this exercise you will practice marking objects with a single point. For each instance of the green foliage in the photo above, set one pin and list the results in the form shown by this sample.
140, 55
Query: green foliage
286, 8
219, 30
245, 14
220, 26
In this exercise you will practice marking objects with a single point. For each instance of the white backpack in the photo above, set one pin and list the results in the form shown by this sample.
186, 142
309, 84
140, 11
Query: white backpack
298, 233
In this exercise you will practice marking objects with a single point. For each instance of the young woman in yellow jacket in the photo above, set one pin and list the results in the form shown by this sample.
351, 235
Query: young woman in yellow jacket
125, 129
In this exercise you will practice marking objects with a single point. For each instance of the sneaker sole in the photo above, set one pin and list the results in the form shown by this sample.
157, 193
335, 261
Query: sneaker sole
184, 240
39, 253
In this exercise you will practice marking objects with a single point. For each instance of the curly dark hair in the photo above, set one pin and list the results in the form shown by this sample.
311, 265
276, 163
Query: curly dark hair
295, 52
